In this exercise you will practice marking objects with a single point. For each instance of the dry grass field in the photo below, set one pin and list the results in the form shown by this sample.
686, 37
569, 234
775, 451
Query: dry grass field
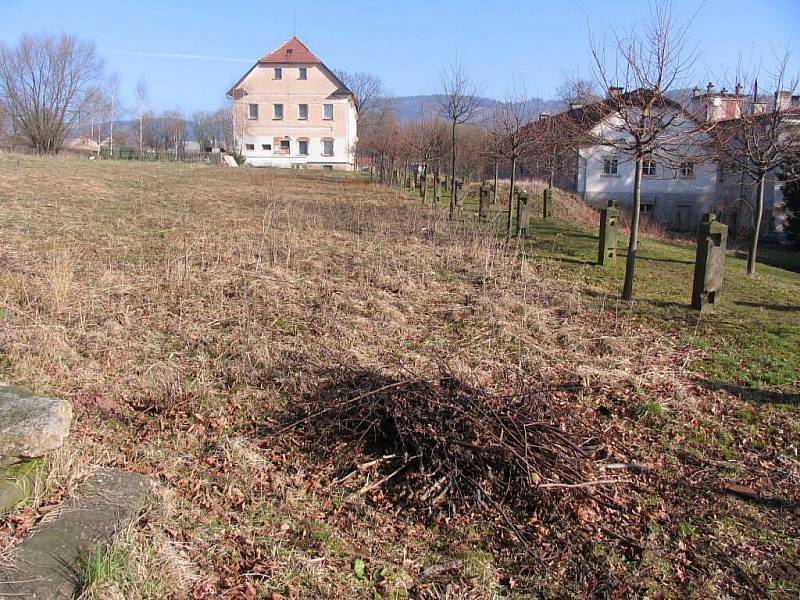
202, 320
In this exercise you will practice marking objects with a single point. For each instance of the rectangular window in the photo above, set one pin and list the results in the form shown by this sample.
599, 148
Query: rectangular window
327, 147
327, 112
649, 168
266, 146
647, 209
687, 169
278, 73
277, 111
610, 166
302, 73
302, 147
252, 111
302, 111
250, 146
285, 146
328, 167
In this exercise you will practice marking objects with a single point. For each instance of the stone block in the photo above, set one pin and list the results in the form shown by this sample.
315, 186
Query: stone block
709, 265
547, 203
609, 231
30, 425
483, 203
523, 213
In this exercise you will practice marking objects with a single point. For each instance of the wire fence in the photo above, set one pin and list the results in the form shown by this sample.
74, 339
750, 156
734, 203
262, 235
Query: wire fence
205, 158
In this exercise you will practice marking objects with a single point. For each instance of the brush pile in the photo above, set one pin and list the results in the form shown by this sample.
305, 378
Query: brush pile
442, 444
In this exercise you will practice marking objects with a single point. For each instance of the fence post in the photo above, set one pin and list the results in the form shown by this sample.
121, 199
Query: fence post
547, 203
609, 229
523, 214
483, 203
709, 264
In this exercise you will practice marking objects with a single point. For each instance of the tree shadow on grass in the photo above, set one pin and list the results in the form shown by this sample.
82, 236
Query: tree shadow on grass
565, 260
775, 307
690, 313
755, 395
665, 260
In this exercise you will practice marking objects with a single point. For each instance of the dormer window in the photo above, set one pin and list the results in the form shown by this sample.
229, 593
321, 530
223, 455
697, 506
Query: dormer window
278, 73
302, 73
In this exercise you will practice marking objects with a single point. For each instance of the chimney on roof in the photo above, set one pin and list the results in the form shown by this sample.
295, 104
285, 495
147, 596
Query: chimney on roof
615, 92
695, 92
738, 89
783, 100
710, 91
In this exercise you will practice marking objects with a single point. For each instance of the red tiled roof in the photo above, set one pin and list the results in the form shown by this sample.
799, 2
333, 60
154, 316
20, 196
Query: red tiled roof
291, 51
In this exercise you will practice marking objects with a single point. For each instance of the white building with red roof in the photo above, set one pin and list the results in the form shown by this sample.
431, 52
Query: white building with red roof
290, 110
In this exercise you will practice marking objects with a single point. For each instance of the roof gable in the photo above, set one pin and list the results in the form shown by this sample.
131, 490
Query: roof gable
291, 51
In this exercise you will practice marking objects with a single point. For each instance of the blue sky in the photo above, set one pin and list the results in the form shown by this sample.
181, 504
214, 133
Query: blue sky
167, 43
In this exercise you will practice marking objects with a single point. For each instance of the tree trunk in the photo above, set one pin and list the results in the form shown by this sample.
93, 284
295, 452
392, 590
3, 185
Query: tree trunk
511, 197
453, 186
759, 211
633, 241
552, 177
496, 172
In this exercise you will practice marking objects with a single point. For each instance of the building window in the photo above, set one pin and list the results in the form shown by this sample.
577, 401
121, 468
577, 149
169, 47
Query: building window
285, 146
328, 167
327, 147
302, 111
250, 146
302, 73
610, 166
266, 146
278, 73
252, 111
687, 169
647, 209
327, 112
649, 168
302, 147
277, 111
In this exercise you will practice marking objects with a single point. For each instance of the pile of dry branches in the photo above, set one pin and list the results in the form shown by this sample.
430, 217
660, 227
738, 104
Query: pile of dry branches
440, 443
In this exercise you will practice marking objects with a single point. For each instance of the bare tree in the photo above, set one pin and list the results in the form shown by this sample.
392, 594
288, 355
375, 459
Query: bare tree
425, 140
644, 124
112, 92
553, 146
141, 98
46, 82
176, 130
368, 91
371, 102
512, 139
459, 103
760, 141
575, 90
